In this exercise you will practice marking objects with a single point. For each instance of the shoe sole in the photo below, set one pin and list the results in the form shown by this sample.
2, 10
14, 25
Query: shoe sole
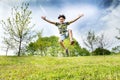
72, 43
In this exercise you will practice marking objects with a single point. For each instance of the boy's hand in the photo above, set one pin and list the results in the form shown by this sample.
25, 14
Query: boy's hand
76, 18
81, 15
43, 17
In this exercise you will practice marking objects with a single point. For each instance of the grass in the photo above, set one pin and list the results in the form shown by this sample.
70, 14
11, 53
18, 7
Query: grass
60, 68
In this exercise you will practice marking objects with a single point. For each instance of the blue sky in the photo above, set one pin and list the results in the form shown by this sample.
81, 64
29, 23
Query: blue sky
102, 16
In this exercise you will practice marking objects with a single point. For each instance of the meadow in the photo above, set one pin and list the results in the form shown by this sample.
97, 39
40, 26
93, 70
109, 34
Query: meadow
60, 68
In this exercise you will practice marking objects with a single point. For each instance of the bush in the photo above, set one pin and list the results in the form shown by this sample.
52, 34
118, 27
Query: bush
84, 52
101, 51
49, 46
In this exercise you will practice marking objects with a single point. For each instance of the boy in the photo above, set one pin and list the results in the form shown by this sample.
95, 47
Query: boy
62, 26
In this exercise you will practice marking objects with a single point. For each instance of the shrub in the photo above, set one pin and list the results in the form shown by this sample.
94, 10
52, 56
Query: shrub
101, 51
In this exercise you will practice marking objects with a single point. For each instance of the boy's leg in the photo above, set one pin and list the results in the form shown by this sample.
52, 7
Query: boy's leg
71, 36
62, 44
62, 37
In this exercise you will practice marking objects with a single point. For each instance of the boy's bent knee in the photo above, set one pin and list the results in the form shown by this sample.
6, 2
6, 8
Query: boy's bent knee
60, 41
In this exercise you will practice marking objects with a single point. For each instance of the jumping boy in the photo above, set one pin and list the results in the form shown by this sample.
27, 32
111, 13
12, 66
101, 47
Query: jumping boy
62, 26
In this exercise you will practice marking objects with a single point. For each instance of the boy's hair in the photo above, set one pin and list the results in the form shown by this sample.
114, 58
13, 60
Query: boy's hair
63, 16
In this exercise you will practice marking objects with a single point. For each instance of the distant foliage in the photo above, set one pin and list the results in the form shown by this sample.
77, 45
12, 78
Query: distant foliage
116, 49
101, 51
118, 37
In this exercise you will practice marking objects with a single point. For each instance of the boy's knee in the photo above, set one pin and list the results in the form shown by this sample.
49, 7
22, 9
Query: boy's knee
60, 41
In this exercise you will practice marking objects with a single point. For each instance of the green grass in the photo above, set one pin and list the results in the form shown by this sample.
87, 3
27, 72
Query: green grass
60, 68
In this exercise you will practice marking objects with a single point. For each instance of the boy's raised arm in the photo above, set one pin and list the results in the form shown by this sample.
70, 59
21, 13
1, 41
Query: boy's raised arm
44, 18
76, 18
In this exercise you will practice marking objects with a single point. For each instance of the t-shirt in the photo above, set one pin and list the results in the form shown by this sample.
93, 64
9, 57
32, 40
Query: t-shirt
62, 27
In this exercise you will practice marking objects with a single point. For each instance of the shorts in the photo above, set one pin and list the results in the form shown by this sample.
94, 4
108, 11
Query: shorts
63, 36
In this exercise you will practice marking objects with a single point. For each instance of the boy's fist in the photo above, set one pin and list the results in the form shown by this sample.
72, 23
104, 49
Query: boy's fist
43, 17
81, 15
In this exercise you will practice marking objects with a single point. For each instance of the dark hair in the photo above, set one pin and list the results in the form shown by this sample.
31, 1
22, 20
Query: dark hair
63, 16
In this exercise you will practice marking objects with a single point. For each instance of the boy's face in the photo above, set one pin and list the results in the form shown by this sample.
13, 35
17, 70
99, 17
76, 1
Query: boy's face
61, 19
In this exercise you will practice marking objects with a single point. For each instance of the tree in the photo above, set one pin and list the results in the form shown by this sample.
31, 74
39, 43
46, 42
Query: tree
7, 45
42, 44
103, 43
90, 40
17, 27
75, 50
31, 48
118, 37
50, 46
101, 51
54, 47
116, 49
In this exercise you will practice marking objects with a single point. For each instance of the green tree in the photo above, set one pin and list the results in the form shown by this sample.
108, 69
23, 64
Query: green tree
43, 44
101, 51
17, 27
50, 46
54, 47
40, 45
103, 43
31, 49
75, 50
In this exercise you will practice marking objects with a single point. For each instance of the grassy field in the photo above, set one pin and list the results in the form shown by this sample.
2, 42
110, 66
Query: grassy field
60, 68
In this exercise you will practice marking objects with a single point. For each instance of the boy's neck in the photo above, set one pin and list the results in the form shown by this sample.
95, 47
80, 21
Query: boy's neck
61, 22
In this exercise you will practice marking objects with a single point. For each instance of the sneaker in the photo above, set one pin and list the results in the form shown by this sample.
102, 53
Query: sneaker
72, 42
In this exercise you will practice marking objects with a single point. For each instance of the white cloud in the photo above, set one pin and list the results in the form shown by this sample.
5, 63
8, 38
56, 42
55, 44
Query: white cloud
112, 21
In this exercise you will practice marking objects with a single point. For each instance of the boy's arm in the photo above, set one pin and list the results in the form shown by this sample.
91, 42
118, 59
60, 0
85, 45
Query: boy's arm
76, 18
44, 18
